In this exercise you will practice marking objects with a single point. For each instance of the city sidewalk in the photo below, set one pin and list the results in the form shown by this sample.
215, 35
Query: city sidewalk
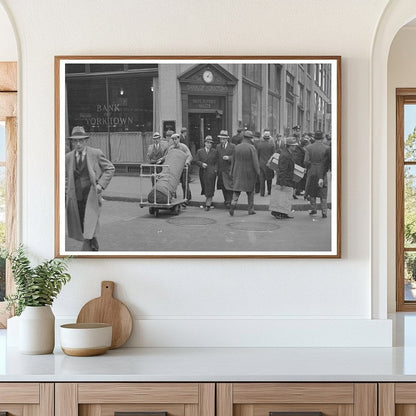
131, 189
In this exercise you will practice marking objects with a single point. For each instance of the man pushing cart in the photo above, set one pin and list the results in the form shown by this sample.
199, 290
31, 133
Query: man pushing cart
174, 170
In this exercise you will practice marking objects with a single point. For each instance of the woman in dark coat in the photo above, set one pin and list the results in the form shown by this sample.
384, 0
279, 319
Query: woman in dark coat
207, 160
281, 196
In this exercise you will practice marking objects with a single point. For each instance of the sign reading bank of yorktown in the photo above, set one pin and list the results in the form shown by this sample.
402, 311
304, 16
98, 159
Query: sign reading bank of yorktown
127, 188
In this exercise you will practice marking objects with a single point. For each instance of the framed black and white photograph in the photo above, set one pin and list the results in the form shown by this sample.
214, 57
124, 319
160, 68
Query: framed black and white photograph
198, 156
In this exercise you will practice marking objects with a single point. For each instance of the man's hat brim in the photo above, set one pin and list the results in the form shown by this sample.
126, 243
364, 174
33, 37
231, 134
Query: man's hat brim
79, 136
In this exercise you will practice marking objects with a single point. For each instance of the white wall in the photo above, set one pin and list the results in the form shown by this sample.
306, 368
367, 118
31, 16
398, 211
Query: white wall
401, 74
212, 302
8, 45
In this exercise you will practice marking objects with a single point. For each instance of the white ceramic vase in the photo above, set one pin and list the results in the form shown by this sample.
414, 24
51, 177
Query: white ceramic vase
37, 330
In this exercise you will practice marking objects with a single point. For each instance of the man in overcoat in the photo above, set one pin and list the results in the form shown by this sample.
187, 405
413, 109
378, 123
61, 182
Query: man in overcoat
87, 174
225, 156
244, 171
316, 179
207, 160
265, 150
176, 144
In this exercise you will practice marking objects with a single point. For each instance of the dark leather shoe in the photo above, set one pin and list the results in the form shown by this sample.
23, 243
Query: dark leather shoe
286, 217
324, 215
312, 212
207, 208
276, 215
94, 244
251, 212
232, 208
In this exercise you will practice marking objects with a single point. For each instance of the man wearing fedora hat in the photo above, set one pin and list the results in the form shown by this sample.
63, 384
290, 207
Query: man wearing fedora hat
265, 150
316, 179
87, 174
238, 137
244, 170
225, 156
156, 151
183, 137
207, 160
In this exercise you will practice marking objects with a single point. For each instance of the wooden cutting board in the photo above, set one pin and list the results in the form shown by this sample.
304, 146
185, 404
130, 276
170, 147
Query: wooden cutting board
108, 310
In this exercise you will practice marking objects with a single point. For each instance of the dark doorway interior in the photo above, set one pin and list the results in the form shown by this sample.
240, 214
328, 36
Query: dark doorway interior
202, 125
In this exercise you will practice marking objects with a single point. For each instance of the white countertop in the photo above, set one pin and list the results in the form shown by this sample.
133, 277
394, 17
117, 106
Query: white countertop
221, 364
215, 364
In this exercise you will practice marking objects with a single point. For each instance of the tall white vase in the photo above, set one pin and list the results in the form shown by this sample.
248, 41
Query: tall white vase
37, 330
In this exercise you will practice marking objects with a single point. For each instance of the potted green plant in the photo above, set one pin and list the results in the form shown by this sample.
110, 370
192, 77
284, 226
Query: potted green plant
36, 289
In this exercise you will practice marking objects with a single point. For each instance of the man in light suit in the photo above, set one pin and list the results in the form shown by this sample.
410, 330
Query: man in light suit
155, 153
87, 174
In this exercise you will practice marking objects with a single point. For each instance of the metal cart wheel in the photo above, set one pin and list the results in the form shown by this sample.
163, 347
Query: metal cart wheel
176, 209
151, 210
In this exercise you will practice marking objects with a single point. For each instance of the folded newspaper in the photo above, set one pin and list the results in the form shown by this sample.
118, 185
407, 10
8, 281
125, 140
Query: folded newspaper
298, 172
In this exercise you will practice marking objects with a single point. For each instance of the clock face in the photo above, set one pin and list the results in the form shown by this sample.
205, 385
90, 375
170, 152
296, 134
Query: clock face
208, 76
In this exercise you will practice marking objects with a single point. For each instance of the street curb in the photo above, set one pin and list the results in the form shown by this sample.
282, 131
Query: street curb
258, 207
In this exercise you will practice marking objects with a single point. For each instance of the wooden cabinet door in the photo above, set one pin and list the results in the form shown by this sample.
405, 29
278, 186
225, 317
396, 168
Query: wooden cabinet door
145, 399
297, 399
397, 399
26, 399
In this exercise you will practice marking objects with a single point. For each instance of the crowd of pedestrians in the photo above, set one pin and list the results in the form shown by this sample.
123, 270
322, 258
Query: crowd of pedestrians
249, 163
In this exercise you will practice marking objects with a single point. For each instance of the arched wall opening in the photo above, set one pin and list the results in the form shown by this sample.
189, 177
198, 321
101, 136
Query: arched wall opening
396, 15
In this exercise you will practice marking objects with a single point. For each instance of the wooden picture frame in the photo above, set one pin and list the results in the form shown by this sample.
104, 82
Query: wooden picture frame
118, 103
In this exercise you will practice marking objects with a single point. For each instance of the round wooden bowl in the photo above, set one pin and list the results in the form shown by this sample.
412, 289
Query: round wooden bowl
84, 340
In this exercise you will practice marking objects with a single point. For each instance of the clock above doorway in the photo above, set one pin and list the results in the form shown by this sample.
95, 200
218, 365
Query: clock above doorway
208, 76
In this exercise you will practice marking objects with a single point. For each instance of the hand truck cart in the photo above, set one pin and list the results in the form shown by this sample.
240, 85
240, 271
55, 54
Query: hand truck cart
173, 204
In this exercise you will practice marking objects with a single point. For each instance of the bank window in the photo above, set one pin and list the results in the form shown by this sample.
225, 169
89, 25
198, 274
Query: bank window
117, 110
406, 200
